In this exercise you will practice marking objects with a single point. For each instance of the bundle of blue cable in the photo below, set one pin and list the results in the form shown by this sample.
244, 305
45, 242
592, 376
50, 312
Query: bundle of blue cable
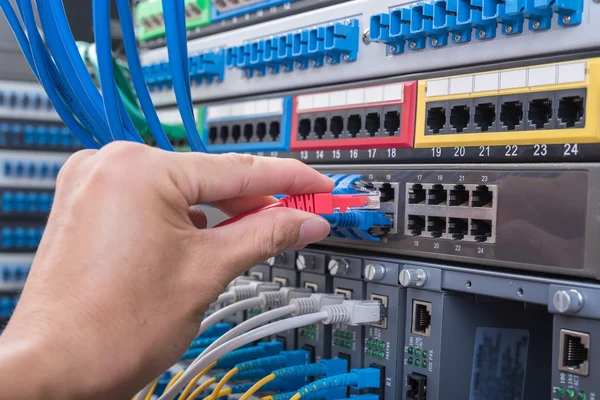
99, 118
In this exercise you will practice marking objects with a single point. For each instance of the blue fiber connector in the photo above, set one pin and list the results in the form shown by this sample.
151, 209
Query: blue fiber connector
445, 22
358, 379
539, 18
217, 330
495, 10
250, 374
283, 359
261, 350
316, 46
341, 41
569, 11
470, 15
203, 342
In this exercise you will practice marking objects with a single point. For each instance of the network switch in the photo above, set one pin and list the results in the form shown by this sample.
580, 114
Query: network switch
410, 29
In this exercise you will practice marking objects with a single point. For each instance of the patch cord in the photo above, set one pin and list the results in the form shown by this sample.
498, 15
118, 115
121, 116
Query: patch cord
351, 312
25, 203
20, 135
370, 117
437, 23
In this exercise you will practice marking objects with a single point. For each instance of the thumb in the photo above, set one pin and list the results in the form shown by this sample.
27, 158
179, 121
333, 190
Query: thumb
260, 236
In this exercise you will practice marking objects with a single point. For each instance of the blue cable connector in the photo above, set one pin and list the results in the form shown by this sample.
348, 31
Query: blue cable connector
217, 330
250, 374
261, 350
358, 379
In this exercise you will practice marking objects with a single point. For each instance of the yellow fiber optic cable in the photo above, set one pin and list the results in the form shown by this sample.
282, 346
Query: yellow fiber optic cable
223, 382
201, 389
267, 398
174, 379
257, 386
193, 382
297, 396
151, 391
224, 392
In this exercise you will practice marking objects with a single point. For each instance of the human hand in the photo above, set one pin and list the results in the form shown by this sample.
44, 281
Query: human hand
125, 270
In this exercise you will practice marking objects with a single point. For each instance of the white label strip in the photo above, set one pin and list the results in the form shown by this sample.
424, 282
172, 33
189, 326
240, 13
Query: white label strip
351, 97
512, 79
245, 109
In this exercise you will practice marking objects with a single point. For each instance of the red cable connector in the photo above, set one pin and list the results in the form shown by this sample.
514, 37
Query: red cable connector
319, 203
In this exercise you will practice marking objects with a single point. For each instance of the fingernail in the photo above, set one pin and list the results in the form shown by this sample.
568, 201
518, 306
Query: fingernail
313, 230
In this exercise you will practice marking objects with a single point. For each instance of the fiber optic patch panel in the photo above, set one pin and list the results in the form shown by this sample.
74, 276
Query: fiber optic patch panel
25, 101
20, 237
14, 269
451, 330
25, 203
248, 126
7, 306
415, 25
38, 170
226, 9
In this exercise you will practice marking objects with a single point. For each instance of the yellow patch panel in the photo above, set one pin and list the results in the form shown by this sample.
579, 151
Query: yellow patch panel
577, 81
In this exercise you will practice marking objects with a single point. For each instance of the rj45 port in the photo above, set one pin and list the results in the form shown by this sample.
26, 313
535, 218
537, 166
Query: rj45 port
574, 352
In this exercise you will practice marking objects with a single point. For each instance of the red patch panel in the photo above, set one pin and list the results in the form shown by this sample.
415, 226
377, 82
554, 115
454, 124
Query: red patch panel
321, 117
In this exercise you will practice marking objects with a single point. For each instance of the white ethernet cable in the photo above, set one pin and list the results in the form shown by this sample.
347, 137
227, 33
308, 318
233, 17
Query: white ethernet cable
244, 297
298, 304
351, 312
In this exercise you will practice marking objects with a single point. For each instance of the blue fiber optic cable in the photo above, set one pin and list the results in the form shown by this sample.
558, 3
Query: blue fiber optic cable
44, 77
76, 60
101, 18
60, 54
177, 50
43, 61
137, 75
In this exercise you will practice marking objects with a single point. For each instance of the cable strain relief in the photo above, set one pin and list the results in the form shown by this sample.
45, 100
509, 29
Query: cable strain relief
304, 306
335, 314
242, 292
271, 299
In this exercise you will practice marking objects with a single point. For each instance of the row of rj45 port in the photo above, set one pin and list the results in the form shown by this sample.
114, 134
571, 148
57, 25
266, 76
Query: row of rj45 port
451, 195
537, 111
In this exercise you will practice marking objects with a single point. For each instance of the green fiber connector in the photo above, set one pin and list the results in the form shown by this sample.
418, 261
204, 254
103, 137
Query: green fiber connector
149, 17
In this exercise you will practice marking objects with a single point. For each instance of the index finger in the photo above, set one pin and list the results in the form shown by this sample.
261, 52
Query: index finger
205, 178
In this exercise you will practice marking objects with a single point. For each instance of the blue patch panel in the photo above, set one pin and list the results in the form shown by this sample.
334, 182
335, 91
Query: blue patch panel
24, 100
29, 136
205, 67
217, 15
31, 169
432, 23
14, 274
253, 126
7, 306
308, 48
25, 203
20, 238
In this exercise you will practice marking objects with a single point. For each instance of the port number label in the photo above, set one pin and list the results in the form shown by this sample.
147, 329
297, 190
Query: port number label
571, 149
372, 153
484, 178
458, 248
320, 155
419, 177
353, 153
480, 250
436, 246
540, 150
511, 151
484, 151
304, 155
436, 152
391, 153
461, 178
274, 154
416, 243
336, 154
459, 152
440, 177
